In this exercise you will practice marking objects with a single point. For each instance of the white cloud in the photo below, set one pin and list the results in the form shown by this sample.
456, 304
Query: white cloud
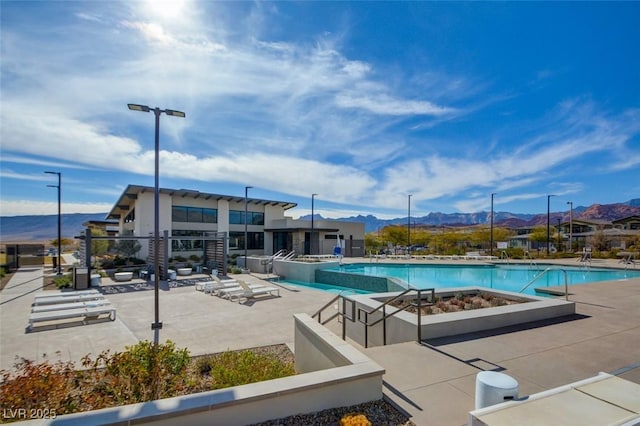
386, 105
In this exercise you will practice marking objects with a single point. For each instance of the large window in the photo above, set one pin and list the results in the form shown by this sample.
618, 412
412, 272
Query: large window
178, 245
256, 240
193, 214
236, 217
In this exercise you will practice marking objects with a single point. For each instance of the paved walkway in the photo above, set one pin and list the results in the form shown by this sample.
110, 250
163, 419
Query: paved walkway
433, 381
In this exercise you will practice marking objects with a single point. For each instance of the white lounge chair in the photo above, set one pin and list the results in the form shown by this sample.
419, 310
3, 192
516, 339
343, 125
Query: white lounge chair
249, 292
214, 284
230, 289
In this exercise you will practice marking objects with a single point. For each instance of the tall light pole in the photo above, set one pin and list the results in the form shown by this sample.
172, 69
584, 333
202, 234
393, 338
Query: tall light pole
59, 186
246, 242
311, 251
491, 244
408, 223
570, 225
548, 219
156, 325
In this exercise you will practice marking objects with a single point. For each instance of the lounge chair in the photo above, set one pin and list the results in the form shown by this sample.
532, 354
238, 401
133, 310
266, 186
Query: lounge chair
233, 288
214, 284
249, 292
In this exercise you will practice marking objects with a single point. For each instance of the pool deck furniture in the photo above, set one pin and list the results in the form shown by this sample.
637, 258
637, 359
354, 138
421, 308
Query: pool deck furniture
84, 314
82, 305
69, 305
123, 276
67, 297
249, 292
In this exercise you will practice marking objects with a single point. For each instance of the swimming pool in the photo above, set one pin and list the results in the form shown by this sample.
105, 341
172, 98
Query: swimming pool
500, 277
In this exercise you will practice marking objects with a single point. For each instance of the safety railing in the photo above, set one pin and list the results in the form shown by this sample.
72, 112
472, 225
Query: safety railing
537, 277
504, 256
532, 261
342, 313
402, 307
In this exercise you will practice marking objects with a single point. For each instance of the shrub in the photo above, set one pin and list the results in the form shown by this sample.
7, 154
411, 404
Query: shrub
38, 386
143, 372
3, 273
63, 281
241, 367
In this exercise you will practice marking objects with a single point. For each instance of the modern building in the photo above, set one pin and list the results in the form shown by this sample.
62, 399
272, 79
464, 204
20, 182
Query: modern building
190, 214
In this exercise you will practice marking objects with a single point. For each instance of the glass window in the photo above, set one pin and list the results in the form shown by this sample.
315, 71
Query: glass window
235, 217
210, 215
255, 240
194, 215
179, 214
257, 218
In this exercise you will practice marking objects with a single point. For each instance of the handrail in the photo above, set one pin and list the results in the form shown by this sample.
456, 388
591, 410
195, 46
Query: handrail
504, 256
342, 313
384, 317
566, 285
533, 263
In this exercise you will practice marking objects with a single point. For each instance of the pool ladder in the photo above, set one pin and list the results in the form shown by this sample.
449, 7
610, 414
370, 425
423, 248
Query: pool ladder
566, 282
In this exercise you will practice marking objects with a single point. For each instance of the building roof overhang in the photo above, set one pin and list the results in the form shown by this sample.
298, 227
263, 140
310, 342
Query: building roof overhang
130, 194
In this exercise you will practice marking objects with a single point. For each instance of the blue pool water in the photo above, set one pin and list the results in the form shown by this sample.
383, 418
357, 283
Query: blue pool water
500, 277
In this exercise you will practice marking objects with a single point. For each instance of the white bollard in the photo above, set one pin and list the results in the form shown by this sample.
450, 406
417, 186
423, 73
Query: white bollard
493, 388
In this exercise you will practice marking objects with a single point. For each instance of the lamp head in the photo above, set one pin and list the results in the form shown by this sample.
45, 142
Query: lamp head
137, 107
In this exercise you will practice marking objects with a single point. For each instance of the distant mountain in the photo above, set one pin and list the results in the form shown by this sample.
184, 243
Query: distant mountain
597, 211
44, 228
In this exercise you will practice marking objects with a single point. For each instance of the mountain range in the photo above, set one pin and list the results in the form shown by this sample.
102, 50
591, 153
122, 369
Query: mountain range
45, 228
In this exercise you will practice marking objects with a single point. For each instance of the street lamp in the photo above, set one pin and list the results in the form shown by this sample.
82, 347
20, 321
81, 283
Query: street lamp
311, 251
156, 226
570, 225
491, 244
408, 223
246, 192
59, 186
548, 219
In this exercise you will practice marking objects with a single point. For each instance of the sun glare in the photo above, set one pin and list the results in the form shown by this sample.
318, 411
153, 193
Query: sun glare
166, 8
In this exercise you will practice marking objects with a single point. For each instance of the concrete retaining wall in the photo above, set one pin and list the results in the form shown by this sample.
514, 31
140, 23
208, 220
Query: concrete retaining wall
402, 327
300, 271
332, 374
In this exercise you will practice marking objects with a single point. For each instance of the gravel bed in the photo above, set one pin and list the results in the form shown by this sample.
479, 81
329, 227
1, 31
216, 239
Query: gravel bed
379, 413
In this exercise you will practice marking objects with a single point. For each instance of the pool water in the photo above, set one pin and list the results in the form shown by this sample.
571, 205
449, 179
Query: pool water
501, 277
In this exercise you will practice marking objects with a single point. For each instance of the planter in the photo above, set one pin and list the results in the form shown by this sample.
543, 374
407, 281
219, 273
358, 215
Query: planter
123, 276
184, 271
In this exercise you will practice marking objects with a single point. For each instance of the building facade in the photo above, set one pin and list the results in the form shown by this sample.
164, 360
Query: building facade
190, 214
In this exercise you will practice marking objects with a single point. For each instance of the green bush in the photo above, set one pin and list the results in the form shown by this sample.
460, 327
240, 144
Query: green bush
241, 367
142, 372
63, 281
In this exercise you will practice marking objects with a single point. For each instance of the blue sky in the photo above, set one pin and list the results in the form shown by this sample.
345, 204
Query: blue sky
362, 103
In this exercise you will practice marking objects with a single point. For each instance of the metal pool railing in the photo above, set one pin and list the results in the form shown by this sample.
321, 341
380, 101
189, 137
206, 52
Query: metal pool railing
566, 282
